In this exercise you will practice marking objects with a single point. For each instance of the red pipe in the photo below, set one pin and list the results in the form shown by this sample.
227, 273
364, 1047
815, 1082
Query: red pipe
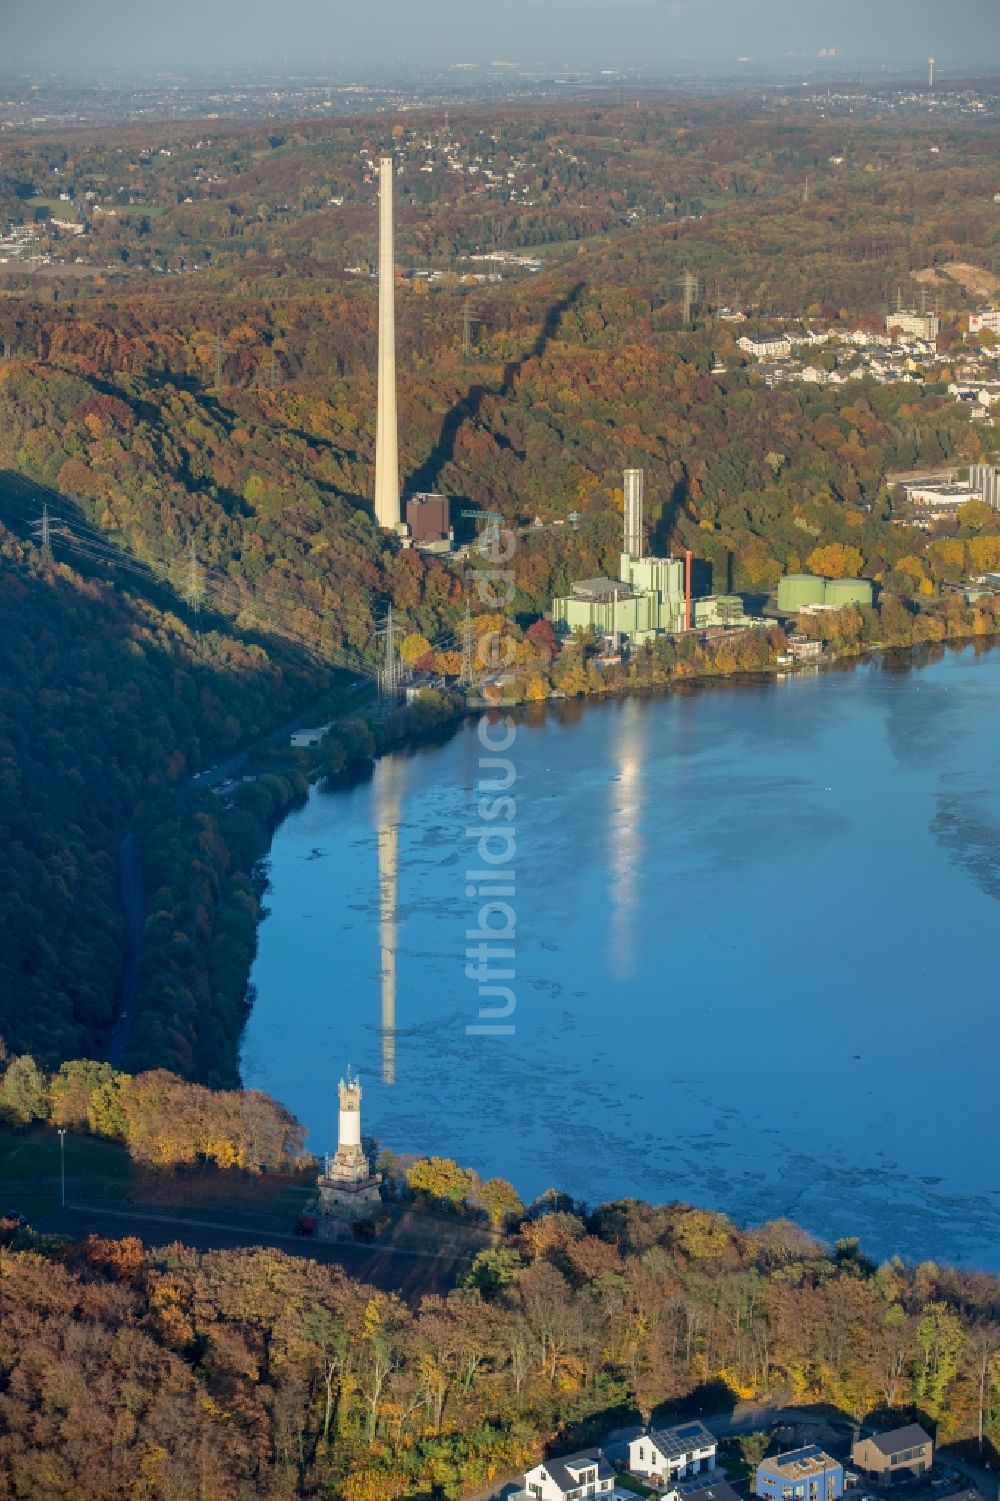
687, 590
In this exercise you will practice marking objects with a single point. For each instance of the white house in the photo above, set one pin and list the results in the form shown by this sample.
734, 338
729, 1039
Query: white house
665, 1455
586, 1473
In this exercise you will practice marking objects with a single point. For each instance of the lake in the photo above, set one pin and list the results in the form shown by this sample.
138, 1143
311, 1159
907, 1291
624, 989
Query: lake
755, 955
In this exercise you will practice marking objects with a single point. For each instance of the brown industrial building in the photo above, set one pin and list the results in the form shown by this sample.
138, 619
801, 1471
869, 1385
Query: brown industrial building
902, 1454
427, 517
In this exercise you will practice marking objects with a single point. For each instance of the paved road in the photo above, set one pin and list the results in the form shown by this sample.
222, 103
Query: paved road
408, 1273
226, 770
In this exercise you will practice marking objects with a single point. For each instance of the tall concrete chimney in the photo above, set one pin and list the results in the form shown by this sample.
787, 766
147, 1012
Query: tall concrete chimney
633, 513
387, 512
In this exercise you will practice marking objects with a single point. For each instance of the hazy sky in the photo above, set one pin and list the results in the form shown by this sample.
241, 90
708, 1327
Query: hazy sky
660, 36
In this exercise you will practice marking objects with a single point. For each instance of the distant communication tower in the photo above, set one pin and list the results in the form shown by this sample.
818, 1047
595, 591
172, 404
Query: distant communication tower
930, 72
633, 512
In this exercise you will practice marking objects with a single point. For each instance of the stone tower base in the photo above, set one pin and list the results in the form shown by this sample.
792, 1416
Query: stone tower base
344, 1204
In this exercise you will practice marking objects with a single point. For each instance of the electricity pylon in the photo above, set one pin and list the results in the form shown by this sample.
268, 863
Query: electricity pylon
389, 674
193, 591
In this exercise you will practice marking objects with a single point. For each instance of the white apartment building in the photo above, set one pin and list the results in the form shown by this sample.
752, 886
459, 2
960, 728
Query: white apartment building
920, 325
766, 346
987, 318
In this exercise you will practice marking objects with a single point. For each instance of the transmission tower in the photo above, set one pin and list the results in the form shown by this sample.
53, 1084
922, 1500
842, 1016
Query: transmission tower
689, 283
389, 674
468, 649
218, 362
466, 330
193, 590
43, 534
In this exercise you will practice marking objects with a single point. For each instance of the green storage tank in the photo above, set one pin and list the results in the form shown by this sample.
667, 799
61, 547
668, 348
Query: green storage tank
796, 590
848, 592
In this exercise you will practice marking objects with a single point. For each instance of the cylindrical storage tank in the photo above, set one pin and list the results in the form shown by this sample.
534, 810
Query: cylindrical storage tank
796, 590
848, 592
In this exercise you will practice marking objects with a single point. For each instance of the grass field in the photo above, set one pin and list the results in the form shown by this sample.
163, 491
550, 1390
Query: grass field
29, 1171
107, 1194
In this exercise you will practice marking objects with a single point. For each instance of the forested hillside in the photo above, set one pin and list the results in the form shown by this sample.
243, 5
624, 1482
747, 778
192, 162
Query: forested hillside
106, 703
225, 1376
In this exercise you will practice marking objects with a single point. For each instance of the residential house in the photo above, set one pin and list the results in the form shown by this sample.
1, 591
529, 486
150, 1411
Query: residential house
667, 1454
707, 1487
808, 1474
586, 1473
901, 1454
802, 649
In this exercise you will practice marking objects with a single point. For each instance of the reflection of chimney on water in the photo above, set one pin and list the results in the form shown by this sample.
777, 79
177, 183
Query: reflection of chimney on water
387, 798
625, 843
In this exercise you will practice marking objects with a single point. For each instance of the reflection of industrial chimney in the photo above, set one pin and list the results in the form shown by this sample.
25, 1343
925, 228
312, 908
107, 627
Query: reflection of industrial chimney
386, 438
633, 513
387, 791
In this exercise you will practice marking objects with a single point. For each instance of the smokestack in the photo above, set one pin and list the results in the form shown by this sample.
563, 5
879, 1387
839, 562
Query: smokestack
633, 513
687, 590
387, 511
930, 72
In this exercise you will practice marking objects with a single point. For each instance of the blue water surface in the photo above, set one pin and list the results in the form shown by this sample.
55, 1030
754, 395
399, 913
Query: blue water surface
756, 954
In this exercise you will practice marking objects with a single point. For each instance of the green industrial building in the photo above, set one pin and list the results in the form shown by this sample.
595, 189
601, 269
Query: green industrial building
720, 609
646, 600
848, 592
796, 591
799, 591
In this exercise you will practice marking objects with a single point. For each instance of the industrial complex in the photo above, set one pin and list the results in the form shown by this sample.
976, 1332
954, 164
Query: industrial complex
650, 597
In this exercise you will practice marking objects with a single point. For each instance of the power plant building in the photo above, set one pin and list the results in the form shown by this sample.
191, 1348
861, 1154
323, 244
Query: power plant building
648, 598
428, 518
640, 605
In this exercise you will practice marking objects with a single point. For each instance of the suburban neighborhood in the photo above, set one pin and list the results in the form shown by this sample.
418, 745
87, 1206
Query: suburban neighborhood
692, 1461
